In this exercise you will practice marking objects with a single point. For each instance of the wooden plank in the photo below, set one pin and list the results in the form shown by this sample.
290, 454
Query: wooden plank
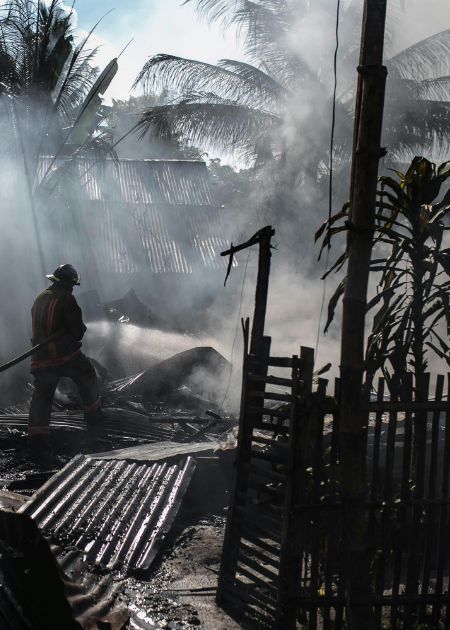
315, 517
240, 593
375, 486
250, 563
285, 362
263, 487
267, 474
442, 538
259, 439
405, 495
290, 554
229, 556
270, 396
272, 380
260, 526
386, 406
266, 411
251, 536
271, 426
382, 560
430, 545
258, 581
276, 458
418, 464
257, 554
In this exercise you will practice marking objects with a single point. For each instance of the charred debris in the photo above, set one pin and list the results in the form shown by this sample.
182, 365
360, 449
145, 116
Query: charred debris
90, 518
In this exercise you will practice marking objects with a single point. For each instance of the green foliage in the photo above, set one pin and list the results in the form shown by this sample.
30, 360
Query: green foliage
236, 105
50, 91
413, 264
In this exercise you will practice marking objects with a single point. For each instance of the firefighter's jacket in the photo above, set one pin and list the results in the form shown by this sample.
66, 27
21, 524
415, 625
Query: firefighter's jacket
53, 310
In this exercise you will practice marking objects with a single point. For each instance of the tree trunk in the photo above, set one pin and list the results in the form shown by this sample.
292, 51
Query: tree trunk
366, 154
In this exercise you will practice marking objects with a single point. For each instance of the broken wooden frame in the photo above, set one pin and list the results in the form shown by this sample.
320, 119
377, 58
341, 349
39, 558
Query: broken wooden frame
284, 555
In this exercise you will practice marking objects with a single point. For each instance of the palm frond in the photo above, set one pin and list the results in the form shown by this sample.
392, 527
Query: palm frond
186, 75
220, 124
423, 59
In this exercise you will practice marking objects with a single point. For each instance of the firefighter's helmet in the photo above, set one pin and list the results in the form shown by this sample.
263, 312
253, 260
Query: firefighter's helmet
65, 274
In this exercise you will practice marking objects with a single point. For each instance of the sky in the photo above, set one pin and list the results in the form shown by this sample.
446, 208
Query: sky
157, 26
169, 26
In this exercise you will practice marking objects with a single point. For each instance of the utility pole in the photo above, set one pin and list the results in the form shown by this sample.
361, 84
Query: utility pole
366, 155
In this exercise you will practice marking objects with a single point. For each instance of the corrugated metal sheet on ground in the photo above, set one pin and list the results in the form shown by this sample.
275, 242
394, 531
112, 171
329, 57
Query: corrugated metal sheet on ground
11, 613
38, 591
117, 513
158, 451
153, 216
118, 423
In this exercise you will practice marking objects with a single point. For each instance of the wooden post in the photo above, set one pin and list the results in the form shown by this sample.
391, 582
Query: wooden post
262, 288
366, 154
263, 238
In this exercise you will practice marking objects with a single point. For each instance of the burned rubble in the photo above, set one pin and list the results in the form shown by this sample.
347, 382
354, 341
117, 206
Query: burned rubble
111, 500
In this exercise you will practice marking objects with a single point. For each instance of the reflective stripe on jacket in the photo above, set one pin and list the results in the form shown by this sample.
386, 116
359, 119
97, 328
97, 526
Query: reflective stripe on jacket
56, 309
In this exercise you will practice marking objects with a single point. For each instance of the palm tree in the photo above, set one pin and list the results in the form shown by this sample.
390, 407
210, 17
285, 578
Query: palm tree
49, 87
243, 106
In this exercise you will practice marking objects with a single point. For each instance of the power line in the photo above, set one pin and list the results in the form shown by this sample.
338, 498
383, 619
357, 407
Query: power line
236, 332
330, 183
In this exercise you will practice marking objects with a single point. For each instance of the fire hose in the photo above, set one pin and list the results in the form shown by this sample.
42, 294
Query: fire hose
32, 351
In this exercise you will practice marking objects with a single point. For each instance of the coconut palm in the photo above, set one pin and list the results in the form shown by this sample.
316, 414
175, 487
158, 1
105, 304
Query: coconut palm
49, 87
236, 105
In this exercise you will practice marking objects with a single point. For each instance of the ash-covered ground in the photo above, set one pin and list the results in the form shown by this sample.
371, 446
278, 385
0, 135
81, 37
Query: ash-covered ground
170, 391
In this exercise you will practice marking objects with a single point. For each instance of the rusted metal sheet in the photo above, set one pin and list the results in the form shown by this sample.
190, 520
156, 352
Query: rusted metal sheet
117, 513
155, 216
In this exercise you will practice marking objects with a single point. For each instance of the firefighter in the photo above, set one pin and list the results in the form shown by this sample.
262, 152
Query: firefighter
56, 309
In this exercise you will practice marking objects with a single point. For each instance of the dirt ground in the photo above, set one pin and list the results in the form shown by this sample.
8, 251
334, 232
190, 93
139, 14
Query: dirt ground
181, 592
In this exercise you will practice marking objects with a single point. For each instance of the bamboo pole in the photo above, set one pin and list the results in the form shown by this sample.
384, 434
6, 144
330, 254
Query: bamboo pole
366, 154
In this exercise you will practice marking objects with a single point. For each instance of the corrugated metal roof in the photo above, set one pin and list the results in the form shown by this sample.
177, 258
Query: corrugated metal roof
135, 216
117, 513
154, 182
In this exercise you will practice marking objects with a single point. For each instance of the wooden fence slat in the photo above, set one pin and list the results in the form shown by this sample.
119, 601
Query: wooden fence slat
285, 362
339, 609
290, 551
405, 497
230, 549
375, 485
442, 539
270, 396
418, 463
382, 559
271, 380
286, 538
430, 546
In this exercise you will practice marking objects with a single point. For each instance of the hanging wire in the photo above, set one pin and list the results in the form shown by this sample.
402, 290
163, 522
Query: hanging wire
330, 183
236, 331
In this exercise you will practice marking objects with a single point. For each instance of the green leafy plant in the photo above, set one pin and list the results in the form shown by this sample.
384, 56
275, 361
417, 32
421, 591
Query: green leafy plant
412, 294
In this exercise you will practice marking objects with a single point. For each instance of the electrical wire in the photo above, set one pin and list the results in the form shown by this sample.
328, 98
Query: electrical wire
330, 182
236, 332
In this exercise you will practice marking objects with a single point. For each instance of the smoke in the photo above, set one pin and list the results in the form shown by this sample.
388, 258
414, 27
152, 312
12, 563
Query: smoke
292, 195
